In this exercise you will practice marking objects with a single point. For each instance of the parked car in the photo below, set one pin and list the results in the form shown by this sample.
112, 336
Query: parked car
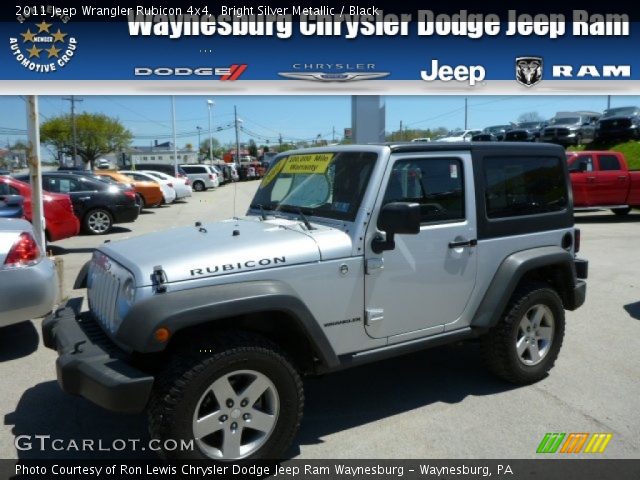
11, 206
459, 136
498, 131
421, 139
4, 172
484, 137
524, 132
97, 204
28, 279
216, 326
227, 172
149, 193
180, 185
202, 177
572, 129
168, 192
619, 123
602, 179
166, 168
60, 221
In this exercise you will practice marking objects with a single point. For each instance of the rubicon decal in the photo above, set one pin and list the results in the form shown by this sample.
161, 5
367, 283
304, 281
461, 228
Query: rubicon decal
237, 266
574, 443
232, 72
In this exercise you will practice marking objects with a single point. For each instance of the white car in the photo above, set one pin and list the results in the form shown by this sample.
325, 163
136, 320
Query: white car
201, 176
168, 192
459, 136
179, 184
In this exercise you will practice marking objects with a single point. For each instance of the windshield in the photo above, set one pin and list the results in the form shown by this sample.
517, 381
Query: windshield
565, 121
622, 111
322, 184
529, 125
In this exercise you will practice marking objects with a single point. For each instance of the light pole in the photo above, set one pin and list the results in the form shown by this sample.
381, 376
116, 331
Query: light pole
198, 150
210, 104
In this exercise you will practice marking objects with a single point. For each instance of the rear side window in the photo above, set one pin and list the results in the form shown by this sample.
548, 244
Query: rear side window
518, 186
194, 169
6, 189
435, 183
609, 162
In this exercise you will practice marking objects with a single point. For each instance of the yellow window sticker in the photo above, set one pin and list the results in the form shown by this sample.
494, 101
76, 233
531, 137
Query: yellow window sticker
314, 163
272, 173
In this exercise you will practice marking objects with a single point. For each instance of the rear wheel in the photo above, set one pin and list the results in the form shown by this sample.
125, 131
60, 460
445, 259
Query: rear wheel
98, 221
621, 212
199, 186
241, 399
524, 345
140, 202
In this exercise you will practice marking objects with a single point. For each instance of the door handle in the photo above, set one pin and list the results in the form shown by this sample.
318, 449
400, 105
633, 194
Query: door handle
464, 243
84, 198
622, 177
591, 179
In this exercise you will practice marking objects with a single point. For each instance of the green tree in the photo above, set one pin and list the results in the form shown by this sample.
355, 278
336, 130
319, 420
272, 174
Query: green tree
253, 148
97, 135
204, 147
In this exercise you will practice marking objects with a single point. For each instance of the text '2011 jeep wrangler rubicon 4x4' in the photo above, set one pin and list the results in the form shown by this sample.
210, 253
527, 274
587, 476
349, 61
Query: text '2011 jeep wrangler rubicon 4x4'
347, 255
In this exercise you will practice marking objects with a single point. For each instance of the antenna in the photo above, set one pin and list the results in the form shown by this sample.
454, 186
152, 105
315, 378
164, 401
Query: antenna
237, 160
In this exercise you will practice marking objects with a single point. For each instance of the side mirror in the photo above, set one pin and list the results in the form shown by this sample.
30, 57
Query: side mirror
396, 218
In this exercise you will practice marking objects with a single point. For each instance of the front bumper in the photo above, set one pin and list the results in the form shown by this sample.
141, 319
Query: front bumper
90, 366
625, 132
579, 293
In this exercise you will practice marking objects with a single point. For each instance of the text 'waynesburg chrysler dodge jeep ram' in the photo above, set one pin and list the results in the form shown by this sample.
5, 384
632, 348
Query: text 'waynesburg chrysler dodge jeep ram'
347, 255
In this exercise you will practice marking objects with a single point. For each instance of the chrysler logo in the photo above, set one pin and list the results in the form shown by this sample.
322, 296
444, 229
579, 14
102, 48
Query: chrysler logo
334, 77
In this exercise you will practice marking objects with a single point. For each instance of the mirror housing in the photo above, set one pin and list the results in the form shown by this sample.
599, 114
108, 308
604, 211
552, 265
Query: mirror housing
396, 218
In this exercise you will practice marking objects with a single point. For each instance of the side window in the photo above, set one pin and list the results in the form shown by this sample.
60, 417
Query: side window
6, 189
437, 184
584, 163
523, 186
609, 162
188, 169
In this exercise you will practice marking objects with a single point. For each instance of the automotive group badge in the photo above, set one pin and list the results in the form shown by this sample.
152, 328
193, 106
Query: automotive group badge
528, 70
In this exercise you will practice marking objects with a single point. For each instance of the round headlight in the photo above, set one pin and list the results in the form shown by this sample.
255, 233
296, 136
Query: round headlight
129, 290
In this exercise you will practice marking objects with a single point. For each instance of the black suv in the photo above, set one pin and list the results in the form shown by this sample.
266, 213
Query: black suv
621, 122
97, 203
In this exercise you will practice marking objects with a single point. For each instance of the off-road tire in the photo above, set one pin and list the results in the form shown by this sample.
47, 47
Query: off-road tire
193, 369
499, 344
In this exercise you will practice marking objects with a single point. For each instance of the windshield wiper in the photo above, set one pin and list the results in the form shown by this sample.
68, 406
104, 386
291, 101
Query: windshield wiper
304, 219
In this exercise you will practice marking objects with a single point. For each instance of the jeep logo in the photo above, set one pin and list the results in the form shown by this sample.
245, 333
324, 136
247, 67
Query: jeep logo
461, 73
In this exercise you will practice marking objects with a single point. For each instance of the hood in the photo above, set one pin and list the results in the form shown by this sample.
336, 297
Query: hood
227, 247
619, 117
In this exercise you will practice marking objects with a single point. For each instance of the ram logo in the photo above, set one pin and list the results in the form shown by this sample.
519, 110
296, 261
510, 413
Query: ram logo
528, 70
592, 71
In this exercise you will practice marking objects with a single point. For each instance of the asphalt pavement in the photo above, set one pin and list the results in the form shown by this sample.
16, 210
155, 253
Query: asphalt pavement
439, 403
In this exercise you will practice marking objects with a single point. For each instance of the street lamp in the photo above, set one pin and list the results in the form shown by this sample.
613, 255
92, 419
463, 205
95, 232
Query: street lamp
210, 104
198, 150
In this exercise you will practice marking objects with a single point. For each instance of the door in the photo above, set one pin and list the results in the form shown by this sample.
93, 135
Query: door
583, 178
426, 281
612, 183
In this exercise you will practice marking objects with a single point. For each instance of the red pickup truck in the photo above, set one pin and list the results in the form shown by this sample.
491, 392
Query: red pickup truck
602, 179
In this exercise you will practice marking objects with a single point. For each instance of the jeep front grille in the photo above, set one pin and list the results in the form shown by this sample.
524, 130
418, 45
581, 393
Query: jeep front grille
103, 293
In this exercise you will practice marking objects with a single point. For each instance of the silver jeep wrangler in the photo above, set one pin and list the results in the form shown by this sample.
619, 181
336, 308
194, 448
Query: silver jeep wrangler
347, 255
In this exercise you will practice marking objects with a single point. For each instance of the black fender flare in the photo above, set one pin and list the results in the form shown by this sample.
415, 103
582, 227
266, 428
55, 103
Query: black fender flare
181, 309
509, 274
81, 278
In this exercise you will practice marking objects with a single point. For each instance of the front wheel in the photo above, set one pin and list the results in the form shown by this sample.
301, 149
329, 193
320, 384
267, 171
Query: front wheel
524, 345
242, 399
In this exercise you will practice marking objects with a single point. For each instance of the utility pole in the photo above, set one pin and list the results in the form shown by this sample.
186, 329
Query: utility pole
466, 111
401, 134
280, 139
608, 102
173, 126
73, 99
198, 150
333, 135
210, 104
235, 114
35, 173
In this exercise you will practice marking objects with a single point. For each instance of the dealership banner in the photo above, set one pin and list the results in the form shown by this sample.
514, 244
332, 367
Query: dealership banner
315, 48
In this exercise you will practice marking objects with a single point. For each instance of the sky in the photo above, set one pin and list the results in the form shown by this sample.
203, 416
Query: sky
294, 117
